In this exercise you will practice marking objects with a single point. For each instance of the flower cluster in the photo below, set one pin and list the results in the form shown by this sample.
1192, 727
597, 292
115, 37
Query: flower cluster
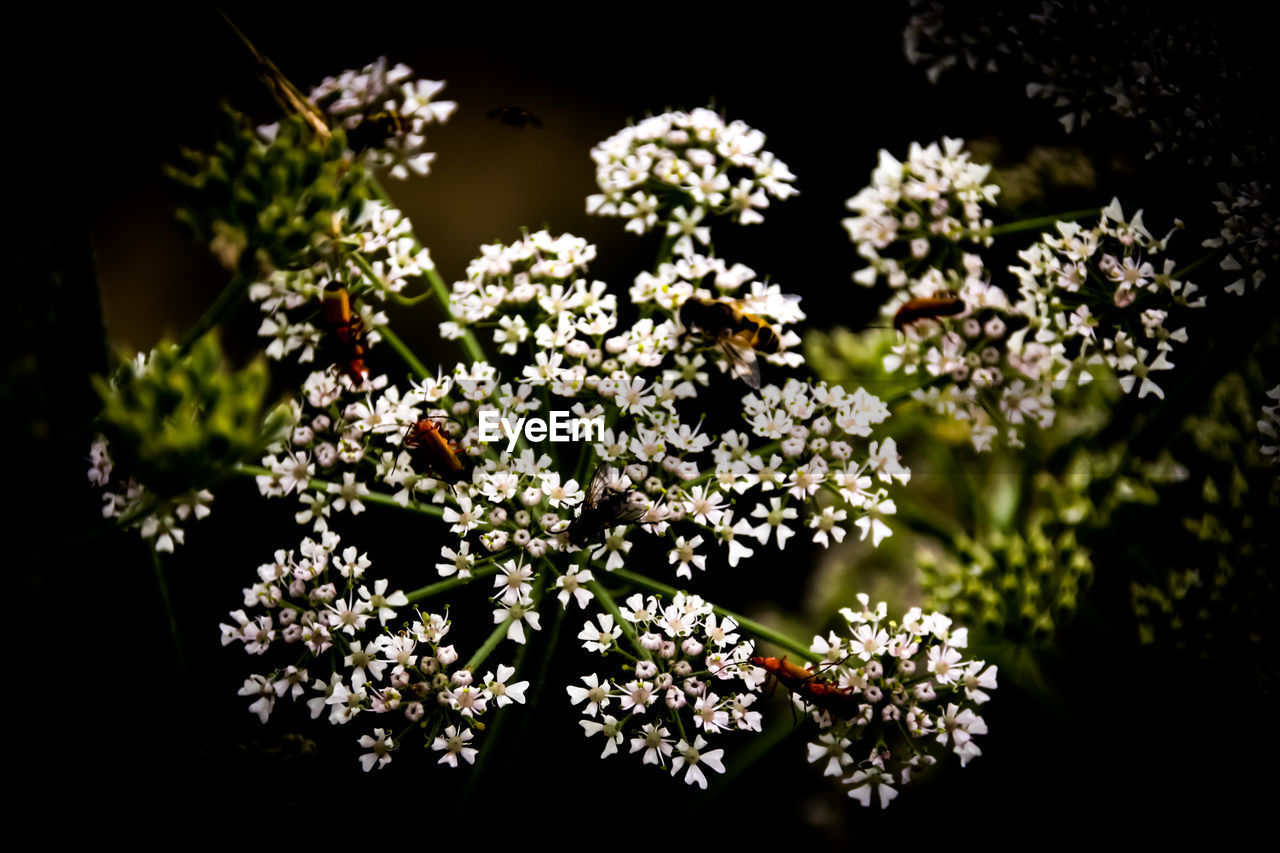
1249, 236
129, 503
264, 197
376, 258
800, 462
904, 687
1188, 88
914, 212
725, 489
1090, 301
655, 470
385, 113
172, 422
539, 275
1179, 79
354, 652
1094, 295
676, 168
691, 681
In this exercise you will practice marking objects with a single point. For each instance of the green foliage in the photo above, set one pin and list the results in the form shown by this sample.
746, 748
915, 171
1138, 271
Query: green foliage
1020, 563
261, 205
1216, 589
1018, 585
176, 420
1046, 171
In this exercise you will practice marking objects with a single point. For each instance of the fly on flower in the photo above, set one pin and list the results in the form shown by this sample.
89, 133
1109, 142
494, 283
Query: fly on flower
605, 504
348, 331
941, 304
737, 332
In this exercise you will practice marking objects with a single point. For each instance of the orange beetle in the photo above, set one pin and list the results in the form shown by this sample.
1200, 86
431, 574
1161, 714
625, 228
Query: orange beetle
839, 701
428, 445
348, 329
942, 304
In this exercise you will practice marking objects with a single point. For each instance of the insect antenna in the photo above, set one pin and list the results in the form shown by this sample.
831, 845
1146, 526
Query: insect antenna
399, 448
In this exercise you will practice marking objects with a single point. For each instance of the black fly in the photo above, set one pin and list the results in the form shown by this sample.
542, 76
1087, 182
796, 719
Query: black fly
513, 116
605, 504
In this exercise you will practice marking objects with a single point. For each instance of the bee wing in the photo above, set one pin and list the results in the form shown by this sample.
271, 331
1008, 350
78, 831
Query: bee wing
743, 362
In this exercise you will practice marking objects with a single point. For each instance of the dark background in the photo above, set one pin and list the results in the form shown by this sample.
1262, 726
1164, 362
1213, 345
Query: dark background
115, 731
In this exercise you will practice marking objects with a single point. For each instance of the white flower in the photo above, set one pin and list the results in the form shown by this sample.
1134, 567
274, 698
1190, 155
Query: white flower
454, 743
695, 758
381, 744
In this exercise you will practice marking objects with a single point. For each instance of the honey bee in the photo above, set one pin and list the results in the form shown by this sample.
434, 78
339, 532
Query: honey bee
513, 116
432, 450
942, 304
839, 701
375, 129
738, 333
347, 329
606, 504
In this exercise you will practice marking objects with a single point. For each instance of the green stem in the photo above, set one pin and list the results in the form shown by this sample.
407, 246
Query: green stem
499, 633
664, 250
168, 610
494, 734
227, 300
1041, 221
406, 354
762, 631
380, 498
1178, 275
627, 628
401, 299
450, 583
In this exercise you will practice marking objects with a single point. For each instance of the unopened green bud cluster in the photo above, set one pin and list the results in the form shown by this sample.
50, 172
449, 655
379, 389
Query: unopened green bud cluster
1019, 586
262, 198
176, 420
